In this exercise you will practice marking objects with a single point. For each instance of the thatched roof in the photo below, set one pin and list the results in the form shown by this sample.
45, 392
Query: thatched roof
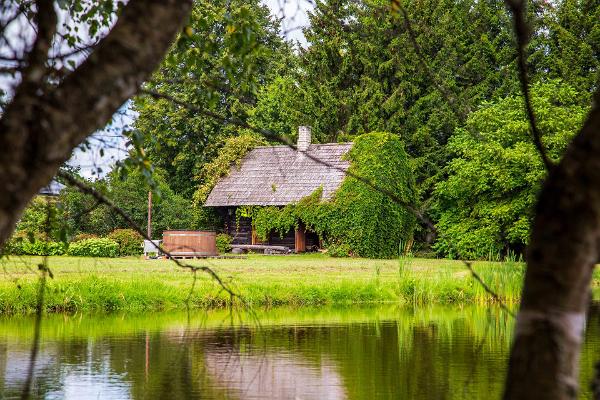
279, 175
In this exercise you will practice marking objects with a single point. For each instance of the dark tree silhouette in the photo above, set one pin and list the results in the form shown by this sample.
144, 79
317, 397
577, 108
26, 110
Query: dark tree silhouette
45, 119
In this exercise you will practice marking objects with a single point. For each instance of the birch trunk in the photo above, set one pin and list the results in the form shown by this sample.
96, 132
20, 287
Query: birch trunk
561, 257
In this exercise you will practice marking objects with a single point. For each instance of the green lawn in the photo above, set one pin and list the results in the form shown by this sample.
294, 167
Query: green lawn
144, 285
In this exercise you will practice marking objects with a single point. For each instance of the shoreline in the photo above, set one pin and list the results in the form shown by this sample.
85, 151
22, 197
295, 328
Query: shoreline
134, 285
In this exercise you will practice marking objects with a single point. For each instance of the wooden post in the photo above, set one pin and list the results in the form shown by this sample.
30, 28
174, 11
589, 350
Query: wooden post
149, 231
254, 236
300, 239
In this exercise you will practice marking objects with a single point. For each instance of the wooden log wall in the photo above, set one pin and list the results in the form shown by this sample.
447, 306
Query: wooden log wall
242, 233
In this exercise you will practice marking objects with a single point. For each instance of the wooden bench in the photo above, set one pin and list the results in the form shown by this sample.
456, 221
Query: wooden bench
267, 249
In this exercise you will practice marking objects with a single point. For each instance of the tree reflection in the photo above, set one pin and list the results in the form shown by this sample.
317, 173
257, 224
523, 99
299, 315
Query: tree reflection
401, 353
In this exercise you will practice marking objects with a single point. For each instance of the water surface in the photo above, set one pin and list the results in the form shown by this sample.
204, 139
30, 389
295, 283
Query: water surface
299, 354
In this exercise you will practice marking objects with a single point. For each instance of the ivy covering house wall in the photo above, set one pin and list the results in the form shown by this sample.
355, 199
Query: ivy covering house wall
231, 154
358, 220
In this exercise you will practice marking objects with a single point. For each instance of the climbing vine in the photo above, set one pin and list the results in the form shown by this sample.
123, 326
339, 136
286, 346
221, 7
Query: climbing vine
358, 219
231, 153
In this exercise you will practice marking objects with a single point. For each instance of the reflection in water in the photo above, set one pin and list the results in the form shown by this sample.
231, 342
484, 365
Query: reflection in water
87, 376
273, 376
371, 354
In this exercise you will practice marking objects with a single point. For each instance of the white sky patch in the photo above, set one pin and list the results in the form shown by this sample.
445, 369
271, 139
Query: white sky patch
105, 147
294, 17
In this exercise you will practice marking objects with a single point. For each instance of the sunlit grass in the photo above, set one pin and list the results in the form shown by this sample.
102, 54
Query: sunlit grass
127, 284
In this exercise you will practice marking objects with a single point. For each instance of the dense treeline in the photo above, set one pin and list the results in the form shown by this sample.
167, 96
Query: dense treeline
73, 213
453, 99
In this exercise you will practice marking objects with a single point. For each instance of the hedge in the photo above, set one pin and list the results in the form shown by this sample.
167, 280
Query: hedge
100, 247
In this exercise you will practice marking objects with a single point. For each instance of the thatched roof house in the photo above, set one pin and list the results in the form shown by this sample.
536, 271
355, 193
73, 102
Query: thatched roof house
279, 175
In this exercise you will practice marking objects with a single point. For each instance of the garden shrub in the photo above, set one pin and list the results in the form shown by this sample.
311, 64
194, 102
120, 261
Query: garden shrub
339, 250
224, 242
130, 241
82, 236
101, 247
43, 248
28, 243
358, 219
14, 245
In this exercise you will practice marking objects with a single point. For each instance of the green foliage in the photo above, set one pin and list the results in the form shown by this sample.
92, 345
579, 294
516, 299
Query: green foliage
486, 204
169, 211
14, 245
232, 152
43, 218
82, 236
371, 223
224, 243
130, 193
101, 247
281, 220
358, 220
279, 107
83, 213
339, 250
130, 241
42, 248
574, 45
228, 53
361, 72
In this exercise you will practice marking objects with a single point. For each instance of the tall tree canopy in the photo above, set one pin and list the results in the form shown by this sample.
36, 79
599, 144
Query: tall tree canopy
486, 202
230, 51
361, 71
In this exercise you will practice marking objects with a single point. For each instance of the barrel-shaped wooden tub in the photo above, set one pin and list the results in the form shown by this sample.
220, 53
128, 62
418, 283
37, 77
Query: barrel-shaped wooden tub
190, 243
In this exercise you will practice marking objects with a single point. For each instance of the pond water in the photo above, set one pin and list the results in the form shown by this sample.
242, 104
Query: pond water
299, 354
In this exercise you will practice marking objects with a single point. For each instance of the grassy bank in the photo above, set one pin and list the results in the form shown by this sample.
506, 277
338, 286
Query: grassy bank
86, 284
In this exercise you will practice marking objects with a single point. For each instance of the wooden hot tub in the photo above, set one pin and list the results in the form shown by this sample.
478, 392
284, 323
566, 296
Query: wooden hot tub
190, 243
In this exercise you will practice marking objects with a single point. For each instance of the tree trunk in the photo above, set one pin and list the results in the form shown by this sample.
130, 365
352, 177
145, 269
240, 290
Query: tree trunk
43, 124
561, 257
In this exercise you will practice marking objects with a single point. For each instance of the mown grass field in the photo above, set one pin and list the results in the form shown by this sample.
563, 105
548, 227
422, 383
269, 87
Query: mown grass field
128, 284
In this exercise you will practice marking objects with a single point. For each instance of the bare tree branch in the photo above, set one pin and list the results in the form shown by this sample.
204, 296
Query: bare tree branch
45, 19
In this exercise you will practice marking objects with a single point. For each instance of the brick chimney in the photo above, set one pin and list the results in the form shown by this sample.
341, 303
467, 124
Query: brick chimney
303, 138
